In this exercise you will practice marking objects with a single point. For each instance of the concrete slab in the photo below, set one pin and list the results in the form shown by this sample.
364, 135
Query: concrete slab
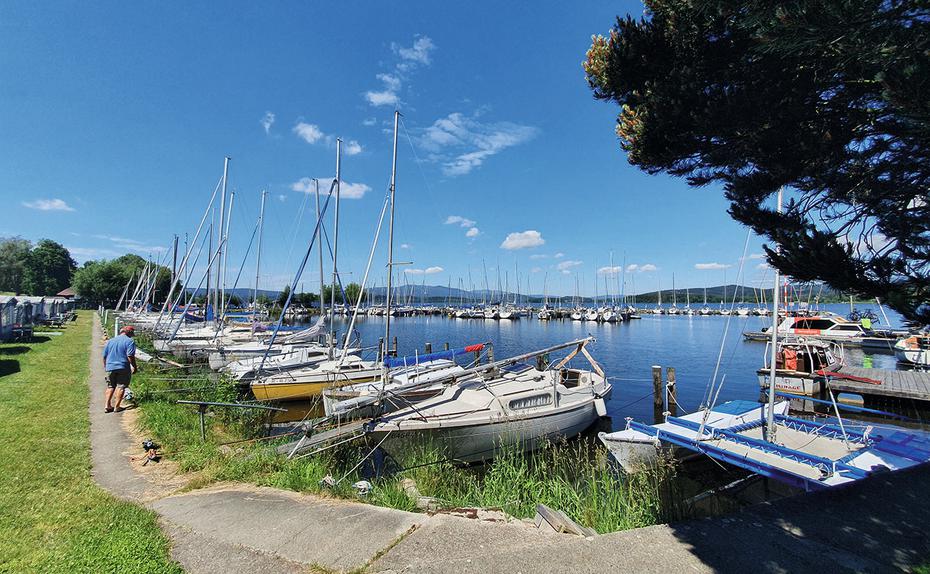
200, 553
336, 534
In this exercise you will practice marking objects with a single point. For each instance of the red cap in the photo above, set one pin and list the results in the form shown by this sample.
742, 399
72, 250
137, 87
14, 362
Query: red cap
128, 329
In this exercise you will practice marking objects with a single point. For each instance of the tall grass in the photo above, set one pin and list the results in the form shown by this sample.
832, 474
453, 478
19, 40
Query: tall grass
569, 476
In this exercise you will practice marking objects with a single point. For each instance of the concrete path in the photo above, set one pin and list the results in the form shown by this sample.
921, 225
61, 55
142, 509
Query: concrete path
878, 525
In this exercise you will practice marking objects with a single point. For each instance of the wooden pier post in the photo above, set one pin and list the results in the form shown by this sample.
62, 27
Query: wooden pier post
395, 346
429, 348
490, 353
658, 397
445, 346
672, 396
381, 349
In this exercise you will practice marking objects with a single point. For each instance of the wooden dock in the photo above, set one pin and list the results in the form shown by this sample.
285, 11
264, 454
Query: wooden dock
888, 383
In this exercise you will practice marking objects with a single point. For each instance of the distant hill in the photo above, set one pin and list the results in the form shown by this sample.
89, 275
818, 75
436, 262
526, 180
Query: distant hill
439, 294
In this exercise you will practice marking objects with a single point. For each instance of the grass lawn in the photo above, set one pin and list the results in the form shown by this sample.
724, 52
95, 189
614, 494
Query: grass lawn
54, 517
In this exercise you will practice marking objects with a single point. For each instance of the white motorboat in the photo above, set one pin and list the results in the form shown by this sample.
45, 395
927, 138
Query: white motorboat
913, 350
800, 365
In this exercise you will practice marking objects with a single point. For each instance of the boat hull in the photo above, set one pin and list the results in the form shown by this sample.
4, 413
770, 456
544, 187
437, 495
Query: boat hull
478, 442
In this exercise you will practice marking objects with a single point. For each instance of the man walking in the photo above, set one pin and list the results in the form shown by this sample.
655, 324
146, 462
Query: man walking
119, 360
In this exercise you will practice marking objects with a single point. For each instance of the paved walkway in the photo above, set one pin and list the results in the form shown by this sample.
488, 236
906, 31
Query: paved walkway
878, 525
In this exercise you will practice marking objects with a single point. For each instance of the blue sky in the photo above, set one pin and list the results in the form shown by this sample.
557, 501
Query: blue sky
116, 118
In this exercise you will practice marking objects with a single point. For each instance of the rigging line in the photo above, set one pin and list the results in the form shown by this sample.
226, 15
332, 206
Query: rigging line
420, 169
726, 329
300, 216
364, 458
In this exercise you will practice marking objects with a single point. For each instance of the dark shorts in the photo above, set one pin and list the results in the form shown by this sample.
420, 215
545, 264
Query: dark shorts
119, 378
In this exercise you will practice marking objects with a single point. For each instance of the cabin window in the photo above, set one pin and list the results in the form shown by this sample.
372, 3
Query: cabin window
531, 402
846, 328
819, 324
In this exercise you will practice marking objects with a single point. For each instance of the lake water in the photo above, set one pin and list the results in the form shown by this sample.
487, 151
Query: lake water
626, 351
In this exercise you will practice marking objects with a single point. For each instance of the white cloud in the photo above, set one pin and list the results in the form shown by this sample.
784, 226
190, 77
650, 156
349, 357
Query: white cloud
129, 244
382, 98
392, 83
369, 122
282, 197
48, 205
459, 220
610, 270
645, 268
523, 240
352, 147
566, 266
559, 255
347, 190
463, 143
472, 232
538, 256
763, 266
427, 271
711, 266
757, 256
535, 269
419, 53
82, 254
310, 133
267, 121
405, 246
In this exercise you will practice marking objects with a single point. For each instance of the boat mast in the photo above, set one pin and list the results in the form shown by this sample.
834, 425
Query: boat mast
390, 264
319, 241
332, 300
232, 198
258, 253
770, 428
219, 292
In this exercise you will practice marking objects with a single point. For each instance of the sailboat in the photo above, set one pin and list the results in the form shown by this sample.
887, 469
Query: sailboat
348, 368
688, 310
764, 439
705, 310
673, 310
545, 313
503, 405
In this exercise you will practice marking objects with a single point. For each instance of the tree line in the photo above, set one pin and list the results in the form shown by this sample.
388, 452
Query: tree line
45, 268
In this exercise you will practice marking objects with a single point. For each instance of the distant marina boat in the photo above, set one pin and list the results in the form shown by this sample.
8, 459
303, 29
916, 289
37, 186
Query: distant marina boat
913, 350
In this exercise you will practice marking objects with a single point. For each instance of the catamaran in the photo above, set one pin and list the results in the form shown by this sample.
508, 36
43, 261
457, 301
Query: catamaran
764, 439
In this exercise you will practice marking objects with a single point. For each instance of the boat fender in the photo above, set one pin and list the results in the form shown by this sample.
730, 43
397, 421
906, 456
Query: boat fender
600, 407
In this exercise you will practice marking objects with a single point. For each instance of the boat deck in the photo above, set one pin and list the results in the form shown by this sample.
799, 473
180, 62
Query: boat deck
897, 384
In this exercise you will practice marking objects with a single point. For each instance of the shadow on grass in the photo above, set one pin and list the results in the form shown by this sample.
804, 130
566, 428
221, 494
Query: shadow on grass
17, 350
8, 367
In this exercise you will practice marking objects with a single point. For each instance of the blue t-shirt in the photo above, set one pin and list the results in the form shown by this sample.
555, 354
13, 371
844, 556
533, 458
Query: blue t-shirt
117, 352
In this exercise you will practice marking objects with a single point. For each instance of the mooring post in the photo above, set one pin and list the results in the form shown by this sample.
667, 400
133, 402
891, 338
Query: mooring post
395, 346
445, 346
428, 348
672, 397
202, 411
658, 402
380, 349
490, 353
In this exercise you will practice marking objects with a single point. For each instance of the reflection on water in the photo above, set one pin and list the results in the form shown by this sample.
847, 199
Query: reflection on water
627, 351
